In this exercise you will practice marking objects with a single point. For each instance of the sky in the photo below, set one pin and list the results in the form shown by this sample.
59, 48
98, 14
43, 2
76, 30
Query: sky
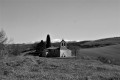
31, 20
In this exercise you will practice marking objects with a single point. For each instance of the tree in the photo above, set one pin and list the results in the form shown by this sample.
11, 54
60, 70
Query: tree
40, 48
3, 39
48, 41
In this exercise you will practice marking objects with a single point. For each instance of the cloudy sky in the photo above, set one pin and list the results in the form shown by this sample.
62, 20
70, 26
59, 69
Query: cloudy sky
31, 20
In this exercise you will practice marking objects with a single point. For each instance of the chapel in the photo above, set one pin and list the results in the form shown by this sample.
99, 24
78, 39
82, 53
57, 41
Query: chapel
61, 51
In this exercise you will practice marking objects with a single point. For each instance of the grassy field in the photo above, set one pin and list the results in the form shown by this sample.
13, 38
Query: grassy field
110, 52
37, 68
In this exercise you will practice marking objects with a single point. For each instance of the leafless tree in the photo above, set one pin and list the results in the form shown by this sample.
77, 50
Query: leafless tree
3, 37
3, 40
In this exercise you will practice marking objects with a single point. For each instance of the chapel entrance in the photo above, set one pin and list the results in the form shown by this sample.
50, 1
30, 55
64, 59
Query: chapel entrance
63, 55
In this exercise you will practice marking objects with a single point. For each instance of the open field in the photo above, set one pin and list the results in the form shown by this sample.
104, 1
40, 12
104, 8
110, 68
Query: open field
37, 68
110, 52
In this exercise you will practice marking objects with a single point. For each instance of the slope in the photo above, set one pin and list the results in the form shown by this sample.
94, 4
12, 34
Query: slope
111, 52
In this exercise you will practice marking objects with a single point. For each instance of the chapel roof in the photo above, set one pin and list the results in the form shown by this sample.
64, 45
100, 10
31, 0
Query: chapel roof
53, 47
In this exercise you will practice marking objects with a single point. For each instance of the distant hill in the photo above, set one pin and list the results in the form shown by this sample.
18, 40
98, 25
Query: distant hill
103, 42
96, 43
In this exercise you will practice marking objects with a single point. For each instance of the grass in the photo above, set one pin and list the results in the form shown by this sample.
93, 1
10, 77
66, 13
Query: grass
38, 68
109, 52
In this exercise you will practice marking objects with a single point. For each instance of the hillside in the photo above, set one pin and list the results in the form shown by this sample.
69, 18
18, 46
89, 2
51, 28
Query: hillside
110, 52
102, 42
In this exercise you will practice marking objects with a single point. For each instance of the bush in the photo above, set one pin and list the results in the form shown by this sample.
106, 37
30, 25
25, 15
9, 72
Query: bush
14, 50
104, 60
40, 47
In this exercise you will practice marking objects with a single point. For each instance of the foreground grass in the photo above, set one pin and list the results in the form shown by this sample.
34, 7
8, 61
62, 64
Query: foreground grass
35, 68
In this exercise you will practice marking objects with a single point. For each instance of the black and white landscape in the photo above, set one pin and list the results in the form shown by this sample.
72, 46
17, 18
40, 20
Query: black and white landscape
59, 40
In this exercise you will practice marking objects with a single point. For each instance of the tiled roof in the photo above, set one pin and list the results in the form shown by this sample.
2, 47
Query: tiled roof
53, 48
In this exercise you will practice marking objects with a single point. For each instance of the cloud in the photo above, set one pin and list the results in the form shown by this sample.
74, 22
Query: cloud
56, 40
67, 40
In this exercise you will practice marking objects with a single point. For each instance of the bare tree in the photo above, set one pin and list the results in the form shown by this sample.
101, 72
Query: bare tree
3, 40
3, 37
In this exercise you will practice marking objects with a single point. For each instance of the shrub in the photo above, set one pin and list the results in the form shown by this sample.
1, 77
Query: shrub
15, 50
40, 48
104, 60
